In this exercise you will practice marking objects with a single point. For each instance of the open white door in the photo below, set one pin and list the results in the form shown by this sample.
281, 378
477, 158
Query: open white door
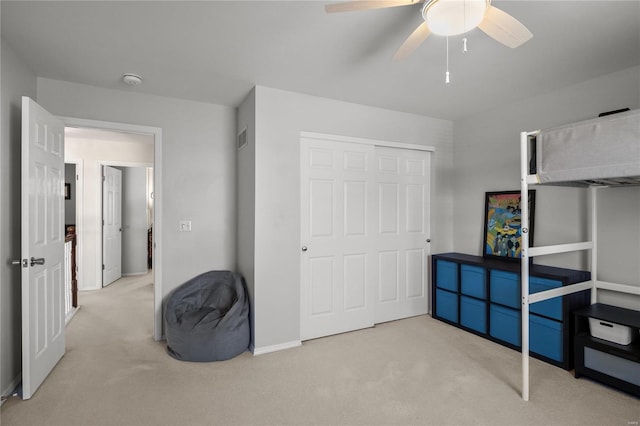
111, 225
43, 340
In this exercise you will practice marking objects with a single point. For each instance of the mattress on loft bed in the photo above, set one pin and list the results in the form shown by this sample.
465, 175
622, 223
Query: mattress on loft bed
601, 151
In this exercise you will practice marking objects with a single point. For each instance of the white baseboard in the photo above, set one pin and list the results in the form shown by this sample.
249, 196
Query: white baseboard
275, 348
135, 274
71, 315
94, 288
8, 391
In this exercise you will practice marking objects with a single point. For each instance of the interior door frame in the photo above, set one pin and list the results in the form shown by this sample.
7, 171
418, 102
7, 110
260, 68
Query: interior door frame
157, 260
79, 199
366, 141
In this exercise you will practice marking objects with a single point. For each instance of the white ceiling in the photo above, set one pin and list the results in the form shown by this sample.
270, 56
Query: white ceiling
216, 51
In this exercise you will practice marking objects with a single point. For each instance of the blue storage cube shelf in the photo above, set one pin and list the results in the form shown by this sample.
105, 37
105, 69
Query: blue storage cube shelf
505, 288
551, 308
545, 337
447, 305
472, 281
482, 295
505, 324
447, 275
473, 314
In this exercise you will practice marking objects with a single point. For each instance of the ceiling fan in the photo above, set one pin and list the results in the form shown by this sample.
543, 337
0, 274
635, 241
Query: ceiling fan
448, 18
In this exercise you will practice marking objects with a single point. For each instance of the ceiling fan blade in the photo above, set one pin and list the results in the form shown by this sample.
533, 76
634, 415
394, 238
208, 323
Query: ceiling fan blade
412, 42
356, 5
504, 28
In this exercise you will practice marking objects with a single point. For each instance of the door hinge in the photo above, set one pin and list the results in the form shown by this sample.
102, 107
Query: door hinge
103, 266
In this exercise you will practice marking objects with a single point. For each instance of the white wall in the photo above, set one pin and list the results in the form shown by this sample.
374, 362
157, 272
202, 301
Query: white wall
487, 156
95, 150
198, 170
246, 207
134, 220
280, 117
16, 81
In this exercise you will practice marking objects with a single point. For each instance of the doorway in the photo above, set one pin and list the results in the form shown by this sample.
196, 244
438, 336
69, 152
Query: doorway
127, 220
143, 145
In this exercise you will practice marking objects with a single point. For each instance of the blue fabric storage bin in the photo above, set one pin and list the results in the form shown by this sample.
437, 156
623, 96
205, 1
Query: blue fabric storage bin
473, 314
505, 288
447, 275
551, 308
545, 337
504, 324
447, 305
472, 281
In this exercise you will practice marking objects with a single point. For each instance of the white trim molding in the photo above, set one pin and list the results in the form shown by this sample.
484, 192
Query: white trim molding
275, 348
325, 136
13, 386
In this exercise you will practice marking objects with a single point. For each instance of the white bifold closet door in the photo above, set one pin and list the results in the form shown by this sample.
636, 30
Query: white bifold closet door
402, 189
364, 226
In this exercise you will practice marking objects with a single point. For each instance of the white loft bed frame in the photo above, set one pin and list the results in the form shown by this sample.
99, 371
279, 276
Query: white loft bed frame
596, 154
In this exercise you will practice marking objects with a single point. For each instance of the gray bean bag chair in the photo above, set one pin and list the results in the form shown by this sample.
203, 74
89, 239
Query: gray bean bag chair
207, 318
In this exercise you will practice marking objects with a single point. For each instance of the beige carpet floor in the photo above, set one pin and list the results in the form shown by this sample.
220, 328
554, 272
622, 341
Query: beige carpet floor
417, 371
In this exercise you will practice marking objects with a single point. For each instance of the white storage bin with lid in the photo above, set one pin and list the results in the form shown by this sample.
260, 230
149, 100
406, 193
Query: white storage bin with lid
610, 331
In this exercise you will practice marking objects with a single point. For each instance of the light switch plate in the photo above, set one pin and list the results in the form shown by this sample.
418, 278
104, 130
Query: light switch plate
185, 226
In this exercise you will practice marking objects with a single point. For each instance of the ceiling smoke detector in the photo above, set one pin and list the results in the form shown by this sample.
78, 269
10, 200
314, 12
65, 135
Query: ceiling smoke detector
132, 79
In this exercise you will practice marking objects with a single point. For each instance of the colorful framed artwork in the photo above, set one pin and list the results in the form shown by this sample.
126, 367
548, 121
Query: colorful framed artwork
503, 224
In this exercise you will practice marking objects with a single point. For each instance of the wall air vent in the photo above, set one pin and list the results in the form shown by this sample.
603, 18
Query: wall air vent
242, 139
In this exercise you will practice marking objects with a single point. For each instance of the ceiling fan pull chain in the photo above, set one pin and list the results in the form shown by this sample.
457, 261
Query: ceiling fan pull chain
446, 75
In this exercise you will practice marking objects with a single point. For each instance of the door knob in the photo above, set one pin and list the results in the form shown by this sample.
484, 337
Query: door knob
39, 261
23, 262
304, 248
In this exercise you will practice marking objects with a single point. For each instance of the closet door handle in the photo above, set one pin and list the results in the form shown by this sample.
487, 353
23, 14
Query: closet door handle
304, 248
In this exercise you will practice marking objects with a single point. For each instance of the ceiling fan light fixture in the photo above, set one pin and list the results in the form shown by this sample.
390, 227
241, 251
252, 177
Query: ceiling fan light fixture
453, 17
